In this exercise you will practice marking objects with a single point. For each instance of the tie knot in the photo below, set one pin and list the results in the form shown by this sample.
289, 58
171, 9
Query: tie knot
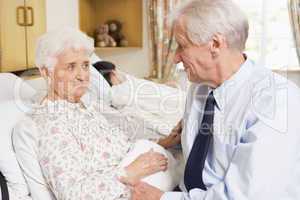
211, 99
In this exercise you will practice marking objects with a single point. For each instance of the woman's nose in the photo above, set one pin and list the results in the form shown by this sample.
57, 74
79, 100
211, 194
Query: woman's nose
82, 74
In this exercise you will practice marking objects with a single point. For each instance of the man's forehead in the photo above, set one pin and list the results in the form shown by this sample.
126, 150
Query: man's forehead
180, 38
180, 33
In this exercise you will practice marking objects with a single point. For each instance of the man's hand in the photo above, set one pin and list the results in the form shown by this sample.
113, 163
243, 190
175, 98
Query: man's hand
144, 165
144, 191
174, 138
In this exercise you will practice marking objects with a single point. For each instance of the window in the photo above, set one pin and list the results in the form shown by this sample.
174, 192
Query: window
270, 41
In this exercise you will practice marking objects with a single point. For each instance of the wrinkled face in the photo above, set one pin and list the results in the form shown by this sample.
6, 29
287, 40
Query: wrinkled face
197, 59
70, 77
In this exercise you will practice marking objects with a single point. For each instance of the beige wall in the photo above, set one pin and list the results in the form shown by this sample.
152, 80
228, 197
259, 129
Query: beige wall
291, 75
295, 77
62, 13
134, 61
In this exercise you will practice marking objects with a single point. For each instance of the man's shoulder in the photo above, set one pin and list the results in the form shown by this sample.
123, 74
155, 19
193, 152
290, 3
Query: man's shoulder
273, 98
263, 77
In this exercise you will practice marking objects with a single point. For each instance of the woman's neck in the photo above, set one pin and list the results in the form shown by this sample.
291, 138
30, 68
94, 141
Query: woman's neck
54, 96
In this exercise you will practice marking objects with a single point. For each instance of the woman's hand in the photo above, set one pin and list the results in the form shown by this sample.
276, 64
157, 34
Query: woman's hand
174, 138
146, 164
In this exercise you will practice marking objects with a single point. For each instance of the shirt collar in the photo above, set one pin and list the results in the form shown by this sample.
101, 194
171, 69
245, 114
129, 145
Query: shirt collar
225, 90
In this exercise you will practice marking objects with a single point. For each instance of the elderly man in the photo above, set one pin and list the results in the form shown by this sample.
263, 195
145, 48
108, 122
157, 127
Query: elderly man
240, 134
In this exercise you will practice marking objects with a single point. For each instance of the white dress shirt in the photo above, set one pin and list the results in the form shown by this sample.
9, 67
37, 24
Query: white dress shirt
256, 140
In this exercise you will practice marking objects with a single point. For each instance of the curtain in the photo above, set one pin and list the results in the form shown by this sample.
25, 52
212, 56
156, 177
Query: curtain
162, 42
294, 12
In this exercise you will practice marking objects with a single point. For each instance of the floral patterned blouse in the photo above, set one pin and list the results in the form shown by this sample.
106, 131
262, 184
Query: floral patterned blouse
79, 151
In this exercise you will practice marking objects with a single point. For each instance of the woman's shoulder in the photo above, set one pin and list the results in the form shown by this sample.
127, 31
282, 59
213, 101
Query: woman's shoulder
31, 122
25, 131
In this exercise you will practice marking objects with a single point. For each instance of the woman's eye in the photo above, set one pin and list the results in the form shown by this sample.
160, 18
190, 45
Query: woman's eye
71, 67
86, 66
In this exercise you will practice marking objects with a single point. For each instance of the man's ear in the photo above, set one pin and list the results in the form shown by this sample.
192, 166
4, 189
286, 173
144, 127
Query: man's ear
218, 42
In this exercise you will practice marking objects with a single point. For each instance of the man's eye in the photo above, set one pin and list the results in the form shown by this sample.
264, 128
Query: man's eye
179, 48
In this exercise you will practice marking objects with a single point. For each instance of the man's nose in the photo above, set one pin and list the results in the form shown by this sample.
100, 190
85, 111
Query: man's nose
177, 58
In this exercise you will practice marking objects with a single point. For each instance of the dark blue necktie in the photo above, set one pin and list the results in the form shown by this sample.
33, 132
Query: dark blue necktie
4, 189
195, 163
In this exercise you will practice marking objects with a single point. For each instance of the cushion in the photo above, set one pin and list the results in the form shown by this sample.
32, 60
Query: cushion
11, 113
13, 97
40, 86
160, 106
14, 88
167, 180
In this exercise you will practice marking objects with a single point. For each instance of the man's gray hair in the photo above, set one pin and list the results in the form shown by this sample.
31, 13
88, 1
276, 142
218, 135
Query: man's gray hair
205, 18
53, 43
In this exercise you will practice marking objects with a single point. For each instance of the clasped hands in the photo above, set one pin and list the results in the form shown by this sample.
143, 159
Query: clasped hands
144, 165
147, 164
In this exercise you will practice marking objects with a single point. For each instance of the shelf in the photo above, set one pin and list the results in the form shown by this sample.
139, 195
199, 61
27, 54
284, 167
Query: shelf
109, 51
93, 13
287, 69
117, 48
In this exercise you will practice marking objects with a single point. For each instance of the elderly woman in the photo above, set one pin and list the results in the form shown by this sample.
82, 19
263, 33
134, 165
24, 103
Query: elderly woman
70, 146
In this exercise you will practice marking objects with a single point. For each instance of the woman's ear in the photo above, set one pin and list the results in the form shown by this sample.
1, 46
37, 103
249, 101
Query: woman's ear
44, 72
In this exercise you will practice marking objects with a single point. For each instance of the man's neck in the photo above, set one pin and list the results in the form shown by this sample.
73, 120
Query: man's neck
226, 69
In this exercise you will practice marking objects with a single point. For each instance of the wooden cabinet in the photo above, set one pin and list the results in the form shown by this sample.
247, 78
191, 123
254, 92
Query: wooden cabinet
21, 23
92, 13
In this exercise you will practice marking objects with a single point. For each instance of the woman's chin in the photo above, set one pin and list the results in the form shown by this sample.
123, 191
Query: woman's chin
79, 92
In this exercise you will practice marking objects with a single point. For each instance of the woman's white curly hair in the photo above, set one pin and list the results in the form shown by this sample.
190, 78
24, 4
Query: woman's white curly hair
53, 43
